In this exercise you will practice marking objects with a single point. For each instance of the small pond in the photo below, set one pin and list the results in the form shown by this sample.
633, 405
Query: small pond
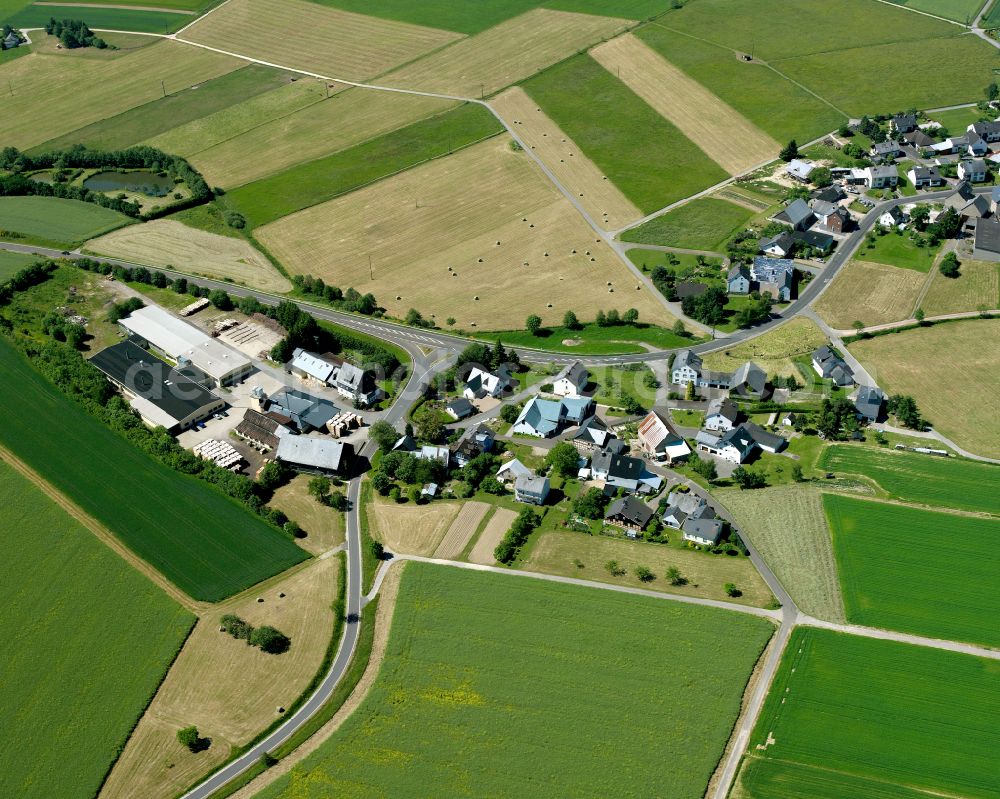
148, 183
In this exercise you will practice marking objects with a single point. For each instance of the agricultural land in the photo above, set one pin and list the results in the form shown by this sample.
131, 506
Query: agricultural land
872, 293
888, 555
96, 629
897, 361
51, 219
851, 716
466, 654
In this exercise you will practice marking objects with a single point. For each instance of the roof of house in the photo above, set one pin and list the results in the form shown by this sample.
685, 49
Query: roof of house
515, 467
258, 427
312, 364
179, 340
531, 484
869, 401
795, 213
895, 212
882, 171
983, 128
576, 373
163, 394
830, 193
783, 240
813, 238
739, 437
575, 408
354, 379
966, 202
738, 270
799, 168
302, 409
750, 375
886, 147
707, 439
772, 270
617, 466
704, 528
724, 407
593, 431
319, 453
988, 235
631, 510
687, 358
541, 415
460, 407
657, 433
918, 138
833, 365
766, 440
974, 164
404, 444
904, 120
926, 173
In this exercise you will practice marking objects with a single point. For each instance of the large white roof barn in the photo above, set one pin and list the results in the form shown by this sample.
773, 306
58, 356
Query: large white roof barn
182, 342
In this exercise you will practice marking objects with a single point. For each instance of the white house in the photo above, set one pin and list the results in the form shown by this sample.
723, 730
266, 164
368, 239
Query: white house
686, 368
512, 470
881, 177
973, 170
480, 384
571, 381
893, 217
990, 131
659, 440
735, 446
721, 414
542, 418
800, 170
923, 177
531, 489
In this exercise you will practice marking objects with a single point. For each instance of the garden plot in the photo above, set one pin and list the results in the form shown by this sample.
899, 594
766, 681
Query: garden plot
462, 530
315, 38
480, 236
505, 54
410, 528
598, 195
725, 135
491, 536
170, 244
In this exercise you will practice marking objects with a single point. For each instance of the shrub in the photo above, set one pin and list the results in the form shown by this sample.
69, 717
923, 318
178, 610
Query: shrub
189, 737
270, 640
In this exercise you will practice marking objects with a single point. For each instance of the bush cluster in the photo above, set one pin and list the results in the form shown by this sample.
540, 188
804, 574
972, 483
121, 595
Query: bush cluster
526, 521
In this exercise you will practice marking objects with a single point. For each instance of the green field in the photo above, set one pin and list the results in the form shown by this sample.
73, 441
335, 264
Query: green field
202, 541
158, 116
702, 224
957, 120
911, 477
88, 642
853, 717
898, 249
175, 5
13, 262
593, 340
317, 181
917, 571
769, 100
992, 17
505, 686
54, 220
963, 11
645, 156
124, 19
476, 17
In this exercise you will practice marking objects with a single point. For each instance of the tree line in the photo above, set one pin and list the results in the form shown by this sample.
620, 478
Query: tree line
74, 33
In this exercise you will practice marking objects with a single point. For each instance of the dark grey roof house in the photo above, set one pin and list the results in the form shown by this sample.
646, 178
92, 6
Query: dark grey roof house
305, 411
629, 512
987, 247
797, 214
828, 364
869, 402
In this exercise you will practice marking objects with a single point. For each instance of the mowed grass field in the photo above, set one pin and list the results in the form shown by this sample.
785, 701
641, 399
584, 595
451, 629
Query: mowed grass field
12, 263
918, 571
273, 142
956, 408
200, 540
57, 220
56, 94
323, 526
773, 352
315, 38
506, 54
479, 663
702, 224
317, 181
599, 196
871, 293
229, 690
89, 639
125, 19
788, 527
963, 11
896, 249
912, 477
167, 243
410, 528
647, 158
160, 115
726, 136
977, 286
762, 95
858, 717
431, 235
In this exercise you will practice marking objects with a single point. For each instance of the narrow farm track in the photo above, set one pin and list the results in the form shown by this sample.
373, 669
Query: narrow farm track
103, 533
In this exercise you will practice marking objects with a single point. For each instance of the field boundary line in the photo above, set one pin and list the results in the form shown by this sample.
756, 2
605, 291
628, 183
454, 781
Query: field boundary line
925, 13
890, 500
104, 534
200, 17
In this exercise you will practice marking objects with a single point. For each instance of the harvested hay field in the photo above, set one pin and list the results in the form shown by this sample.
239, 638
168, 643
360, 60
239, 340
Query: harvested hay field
54, 95
923, 362
505, 54
166, 243
976, 286
787, 525
773, 352
315, 38
598, 195
495, 530
323, 526
725, 135
409, 528
347, 118
432, 235
462, 530
871, 293
228, 689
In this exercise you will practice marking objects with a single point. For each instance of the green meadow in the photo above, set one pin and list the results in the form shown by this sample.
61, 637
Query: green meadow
646, 157
88, 641
13, 262
916, 571
51, 219
202, 541
850, 717
503, 686
946, 482
702, 224
124, 19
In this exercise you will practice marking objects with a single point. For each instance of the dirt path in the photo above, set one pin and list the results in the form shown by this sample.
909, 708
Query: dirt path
127, 8
103, 533
383, 627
